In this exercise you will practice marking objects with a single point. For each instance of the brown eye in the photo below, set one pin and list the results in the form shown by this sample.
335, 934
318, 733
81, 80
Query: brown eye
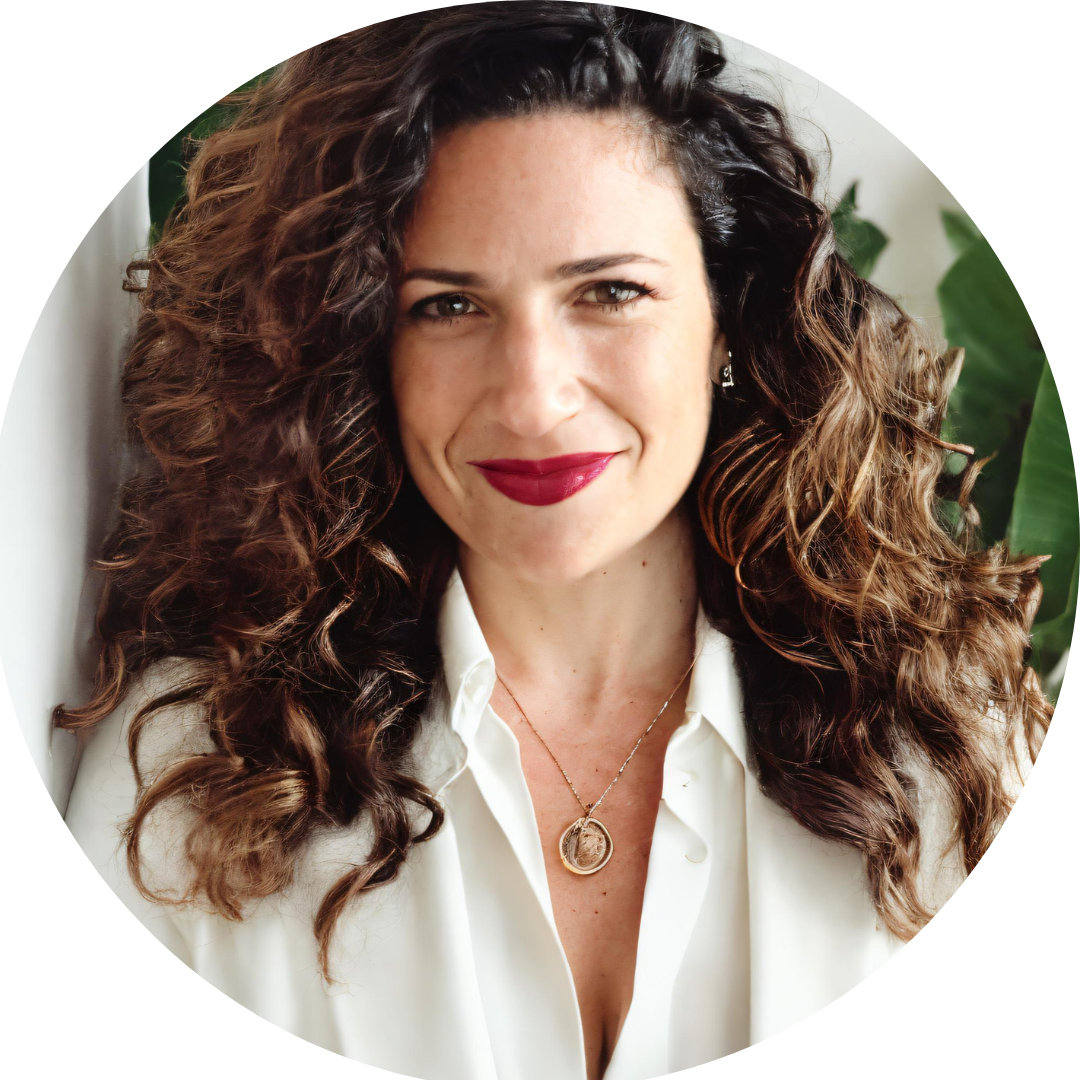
442, 308
449, 307
614, 293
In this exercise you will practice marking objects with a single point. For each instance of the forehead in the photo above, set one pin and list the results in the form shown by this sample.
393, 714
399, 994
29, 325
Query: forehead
556, 184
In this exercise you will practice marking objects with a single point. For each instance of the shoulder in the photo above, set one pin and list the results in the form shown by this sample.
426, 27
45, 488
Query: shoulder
106, 791
941, 861
106, 781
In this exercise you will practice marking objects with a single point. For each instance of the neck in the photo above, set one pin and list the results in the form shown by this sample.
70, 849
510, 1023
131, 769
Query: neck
630, 623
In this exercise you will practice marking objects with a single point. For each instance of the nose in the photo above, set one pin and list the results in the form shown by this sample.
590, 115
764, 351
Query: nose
533, 366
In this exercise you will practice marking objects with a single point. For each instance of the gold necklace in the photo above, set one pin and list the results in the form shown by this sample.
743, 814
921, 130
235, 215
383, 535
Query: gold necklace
586, 845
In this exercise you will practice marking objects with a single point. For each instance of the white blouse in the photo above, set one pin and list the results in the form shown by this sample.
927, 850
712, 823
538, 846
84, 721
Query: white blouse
455, 970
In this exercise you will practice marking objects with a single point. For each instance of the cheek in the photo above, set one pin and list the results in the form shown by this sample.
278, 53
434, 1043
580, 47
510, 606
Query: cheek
424, 406
433, 402
416, 422
666, 390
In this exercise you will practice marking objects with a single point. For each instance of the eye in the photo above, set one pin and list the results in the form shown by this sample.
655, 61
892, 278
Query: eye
444, 308
614, 295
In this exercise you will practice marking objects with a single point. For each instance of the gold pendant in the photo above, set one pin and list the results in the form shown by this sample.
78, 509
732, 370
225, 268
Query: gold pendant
585, 846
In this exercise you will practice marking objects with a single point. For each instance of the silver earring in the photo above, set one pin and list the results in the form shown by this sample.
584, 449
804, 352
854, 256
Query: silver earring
728, 374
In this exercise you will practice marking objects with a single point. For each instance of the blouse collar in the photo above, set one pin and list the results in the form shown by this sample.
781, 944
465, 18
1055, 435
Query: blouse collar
469, 671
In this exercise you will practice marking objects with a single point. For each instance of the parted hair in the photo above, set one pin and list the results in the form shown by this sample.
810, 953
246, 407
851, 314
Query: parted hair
270, 536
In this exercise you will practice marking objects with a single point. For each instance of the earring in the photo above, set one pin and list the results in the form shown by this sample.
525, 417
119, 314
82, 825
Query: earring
728, 374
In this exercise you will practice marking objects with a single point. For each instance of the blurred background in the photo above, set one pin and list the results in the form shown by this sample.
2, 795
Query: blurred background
61, 446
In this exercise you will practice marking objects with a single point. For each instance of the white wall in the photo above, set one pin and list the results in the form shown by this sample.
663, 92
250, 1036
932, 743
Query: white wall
59, 462
896, 191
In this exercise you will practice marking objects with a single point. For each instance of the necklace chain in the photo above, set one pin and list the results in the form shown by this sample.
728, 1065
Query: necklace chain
591, 807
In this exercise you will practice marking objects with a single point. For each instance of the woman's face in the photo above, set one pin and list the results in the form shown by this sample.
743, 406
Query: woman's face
553, 342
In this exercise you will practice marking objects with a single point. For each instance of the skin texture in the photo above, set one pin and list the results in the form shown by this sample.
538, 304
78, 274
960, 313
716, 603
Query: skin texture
588, 605
535, 366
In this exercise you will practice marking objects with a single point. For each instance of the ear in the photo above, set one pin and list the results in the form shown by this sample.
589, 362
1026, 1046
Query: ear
718, 359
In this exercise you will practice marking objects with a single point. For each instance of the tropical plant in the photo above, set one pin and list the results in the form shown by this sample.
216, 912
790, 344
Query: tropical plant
1006, 406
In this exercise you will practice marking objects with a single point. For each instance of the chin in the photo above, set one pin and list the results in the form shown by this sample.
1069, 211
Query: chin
553, 556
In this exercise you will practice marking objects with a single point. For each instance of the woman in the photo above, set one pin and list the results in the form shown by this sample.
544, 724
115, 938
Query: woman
531, 609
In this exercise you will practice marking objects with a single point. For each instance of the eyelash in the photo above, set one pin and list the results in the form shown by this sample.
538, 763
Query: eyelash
419, 310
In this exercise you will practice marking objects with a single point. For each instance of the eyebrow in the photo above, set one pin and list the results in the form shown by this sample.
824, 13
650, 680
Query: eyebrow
466, 279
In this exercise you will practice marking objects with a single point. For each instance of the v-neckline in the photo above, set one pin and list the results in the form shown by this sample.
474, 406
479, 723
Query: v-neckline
553, 788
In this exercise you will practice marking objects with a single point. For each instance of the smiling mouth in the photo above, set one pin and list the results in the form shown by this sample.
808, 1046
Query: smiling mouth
543, 481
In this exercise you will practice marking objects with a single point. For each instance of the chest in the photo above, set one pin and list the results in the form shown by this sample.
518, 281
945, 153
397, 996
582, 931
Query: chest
598, 915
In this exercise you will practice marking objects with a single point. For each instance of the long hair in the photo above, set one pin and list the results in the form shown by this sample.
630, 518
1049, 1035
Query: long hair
270, 536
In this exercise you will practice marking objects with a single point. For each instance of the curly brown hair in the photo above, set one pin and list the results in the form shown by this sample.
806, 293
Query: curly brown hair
271, 537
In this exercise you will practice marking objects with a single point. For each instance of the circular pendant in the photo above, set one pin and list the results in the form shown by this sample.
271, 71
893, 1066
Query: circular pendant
585, 846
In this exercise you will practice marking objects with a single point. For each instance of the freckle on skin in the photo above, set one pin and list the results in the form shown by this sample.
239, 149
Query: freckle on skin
643, 562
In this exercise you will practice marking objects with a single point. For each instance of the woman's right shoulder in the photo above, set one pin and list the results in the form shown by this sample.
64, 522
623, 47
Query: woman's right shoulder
105, 775
106, 791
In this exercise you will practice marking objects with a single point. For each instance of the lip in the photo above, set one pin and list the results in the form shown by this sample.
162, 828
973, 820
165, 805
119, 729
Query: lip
543, 481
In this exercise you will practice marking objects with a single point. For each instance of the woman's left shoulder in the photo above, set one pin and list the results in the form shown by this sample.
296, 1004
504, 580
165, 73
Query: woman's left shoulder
941, 860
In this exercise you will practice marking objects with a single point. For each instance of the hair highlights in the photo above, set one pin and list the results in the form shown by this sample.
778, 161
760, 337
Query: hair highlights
270, 537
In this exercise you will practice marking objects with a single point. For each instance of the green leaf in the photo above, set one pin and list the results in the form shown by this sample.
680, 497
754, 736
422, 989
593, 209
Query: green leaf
992, 402
960, 230
166, 180
1051, 639
1046, 514
1046, 520
859, 241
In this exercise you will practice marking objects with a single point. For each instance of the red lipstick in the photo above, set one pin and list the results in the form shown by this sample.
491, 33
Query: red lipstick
544, 481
